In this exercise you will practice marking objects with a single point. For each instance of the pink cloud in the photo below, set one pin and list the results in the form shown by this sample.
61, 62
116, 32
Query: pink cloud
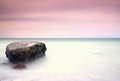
59, 18
22, 6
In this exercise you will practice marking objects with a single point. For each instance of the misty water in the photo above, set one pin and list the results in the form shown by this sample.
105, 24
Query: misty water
67, 60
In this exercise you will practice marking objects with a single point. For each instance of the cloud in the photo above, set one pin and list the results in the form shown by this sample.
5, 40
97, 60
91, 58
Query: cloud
23, 6
66, 24
59, 18
59, 30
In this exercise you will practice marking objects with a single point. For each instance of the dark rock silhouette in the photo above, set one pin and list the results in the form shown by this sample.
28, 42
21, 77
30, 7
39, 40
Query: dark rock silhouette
25, 51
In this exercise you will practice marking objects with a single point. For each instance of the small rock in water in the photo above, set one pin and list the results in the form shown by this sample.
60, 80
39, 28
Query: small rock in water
19, 66
24, 51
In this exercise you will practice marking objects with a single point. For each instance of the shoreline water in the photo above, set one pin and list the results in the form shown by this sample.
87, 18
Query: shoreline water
75, 59
64, 39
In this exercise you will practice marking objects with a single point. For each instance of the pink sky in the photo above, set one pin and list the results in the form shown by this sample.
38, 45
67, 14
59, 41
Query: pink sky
59, 19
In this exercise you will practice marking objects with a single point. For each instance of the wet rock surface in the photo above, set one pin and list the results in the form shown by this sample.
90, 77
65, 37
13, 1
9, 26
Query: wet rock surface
25, 51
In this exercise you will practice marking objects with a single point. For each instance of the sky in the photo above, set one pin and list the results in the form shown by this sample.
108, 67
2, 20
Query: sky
59, 18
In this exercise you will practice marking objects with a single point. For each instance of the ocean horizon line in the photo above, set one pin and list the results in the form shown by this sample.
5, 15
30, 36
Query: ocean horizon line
63, 39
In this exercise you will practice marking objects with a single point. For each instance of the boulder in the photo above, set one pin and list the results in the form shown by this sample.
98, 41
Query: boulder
25, 51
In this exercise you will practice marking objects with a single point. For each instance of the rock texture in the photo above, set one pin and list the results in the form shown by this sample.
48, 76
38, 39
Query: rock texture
25, 51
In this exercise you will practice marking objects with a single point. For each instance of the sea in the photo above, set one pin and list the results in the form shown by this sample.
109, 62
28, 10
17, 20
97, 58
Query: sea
67, 59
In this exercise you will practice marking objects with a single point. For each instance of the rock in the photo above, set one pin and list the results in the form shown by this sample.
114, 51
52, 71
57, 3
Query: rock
25, 51
19, 66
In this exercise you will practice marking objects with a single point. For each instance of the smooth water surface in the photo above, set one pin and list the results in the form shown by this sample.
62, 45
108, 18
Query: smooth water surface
67, 60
